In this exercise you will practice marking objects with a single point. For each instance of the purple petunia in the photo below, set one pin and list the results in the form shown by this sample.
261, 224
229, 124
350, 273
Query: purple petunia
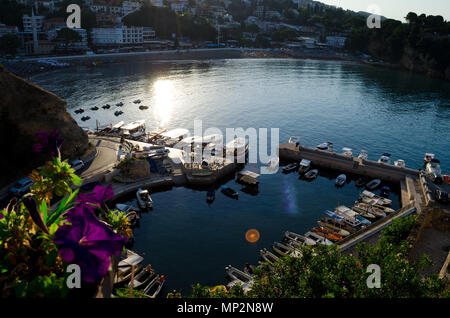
88, 242
49, 142
97, 197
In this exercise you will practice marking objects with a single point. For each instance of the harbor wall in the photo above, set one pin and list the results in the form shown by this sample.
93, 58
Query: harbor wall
332, 160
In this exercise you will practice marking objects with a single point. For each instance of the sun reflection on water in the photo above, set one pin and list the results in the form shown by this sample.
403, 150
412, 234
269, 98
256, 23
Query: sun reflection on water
164, 100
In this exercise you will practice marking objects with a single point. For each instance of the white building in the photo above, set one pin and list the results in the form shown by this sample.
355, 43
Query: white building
157, 3
122, 35
106, 36
28, 22
6, 29
336, 41
130, 6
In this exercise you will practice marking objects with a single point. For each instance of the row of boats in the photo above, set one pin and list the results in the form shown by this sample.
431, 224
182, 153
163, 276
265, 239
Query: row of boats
131, 272
108, 106
333, 227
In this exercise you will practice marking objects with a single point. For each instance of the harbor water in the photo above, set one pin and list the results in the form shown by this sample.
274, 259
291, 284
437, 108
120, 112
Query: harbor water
348, 104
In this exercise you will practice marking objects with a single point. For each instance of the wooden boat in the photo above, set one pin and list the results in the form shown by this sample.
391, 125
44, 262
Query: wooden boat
305, 165
94, 108
249, 269
107, 106
383, 208
268, 256
229, 192
154, 287
143, 278
290, 167
120, 104
339, 224
79, 111
334, 228
210, 196
143, 107
143, 198
368, 210
318, 239
361, 182
340, 180
327, 233
372, 185
118, 113
137, 101
334, 216
284, 250
312, 174
377, 199
236, 274
291, 236
362, 219
84, 118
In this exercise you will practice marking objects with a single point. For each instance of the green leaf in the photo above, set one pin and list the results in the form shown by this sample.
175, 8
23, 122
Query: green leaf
76, 179
63, 207
43, 210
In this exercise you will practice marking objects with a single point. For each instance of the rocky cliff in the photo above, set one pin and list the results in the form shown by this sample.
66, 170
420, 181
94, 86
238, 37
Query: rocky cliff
26, 109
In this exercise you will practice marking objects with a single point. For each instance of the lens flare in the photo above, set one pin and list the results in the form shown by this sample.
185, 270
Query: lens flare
252, 236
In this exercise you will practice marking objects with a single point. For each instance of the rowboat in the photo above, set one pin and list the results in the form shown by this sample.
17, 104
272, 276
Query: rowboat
305, 164
229, 192
312, 174
334, 216
249, 269
339, 224
378, 199
291, 236
290, 167
130, 262
318, 239
268, 256
236, 274
367, 208
372, 185
284, 250
143, 198
143, 278
334, 228
327, 233
154, 287
362, 219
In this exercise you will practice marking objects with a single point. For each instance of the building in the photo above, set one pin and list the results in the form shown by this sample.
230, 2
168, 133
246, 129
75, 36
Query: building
44, 47
6, 29
28, 22
336, 41
122, 35
130, 6
157, 3
148, 35
106, 36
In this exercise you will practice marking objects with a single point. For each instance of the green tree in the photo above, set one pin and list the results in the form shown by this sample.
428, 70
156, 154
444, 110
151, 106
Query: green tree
68, 36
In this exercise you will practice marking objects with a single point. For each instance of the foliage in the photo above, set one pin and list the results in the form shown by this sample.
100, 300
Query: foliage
124, 292
325, 272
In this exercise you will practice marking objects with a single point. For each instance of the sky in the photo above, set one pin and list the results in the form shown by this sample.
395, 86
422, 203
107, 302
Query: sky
397, 9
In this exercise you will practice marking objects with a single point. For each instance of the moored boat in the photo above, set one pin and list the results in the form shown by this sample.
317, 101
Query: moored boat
130, 262
334, 216
143, 278
327, 233
305, 165
372, 185
318, 239
284, 250
291, 236
290, 167
236, 274
334, 228
361, 182
378, 199
312, 174
400, 163
154, 287
229, 192
362, 219
363, 154
143, 198
361, 207
326, 146
385, 158
340, 180
268, 256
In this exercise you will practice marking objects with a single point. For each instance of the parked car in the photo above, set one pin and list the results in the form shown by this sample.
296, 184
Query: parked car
441, 196
21, 187
77, 164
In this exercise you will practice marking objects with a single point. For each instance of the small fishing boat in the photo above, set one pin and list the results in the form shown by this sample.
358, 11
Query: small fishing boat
345, 212
428, 157
143, 278
229, 192
383, 208
400, 163
361, 182
348, 152
326, 146
119, 104
334, 228
305, 165
143, 107
327, 233
334, 216
284, 250
312, 174
378, 199
107, 106
385, 158
236, 274
210, 196
339, 224
268, 256
79, 111
129, 262
84, 118
318, 239
362, 219
290, 167
340, 180
154, 287
367, 209
143, 198
385, 191
118, 113
137, 101
372, 185
291, 236
433, 170
94, 108
364, 154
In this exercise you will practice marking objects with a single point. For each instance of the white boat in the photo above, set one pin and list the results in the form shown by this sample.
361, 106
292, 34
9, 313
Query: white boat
348, 152
428, 157
385, 158
137, 126
379, 200
400, 163
177, 134
372, 185
294, 140
284, 250
368, 208
154, 288
433, 170
318, 239
291, 236
143, 278
340, 180
268, 256
345, 212
143, 198
118, 125
363, 154
326, 146
236, 274
305, 165
130, 261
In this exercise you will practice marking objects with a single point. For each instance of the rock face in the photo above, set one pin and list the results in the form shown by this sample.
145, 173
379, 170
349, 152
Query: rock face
26, 109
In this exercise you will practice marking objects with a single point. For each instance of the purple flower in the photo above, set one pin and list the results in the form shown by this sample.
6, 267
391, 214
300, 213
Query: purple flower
88, 242
49, 142
31, 206
97, 197
1, 216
